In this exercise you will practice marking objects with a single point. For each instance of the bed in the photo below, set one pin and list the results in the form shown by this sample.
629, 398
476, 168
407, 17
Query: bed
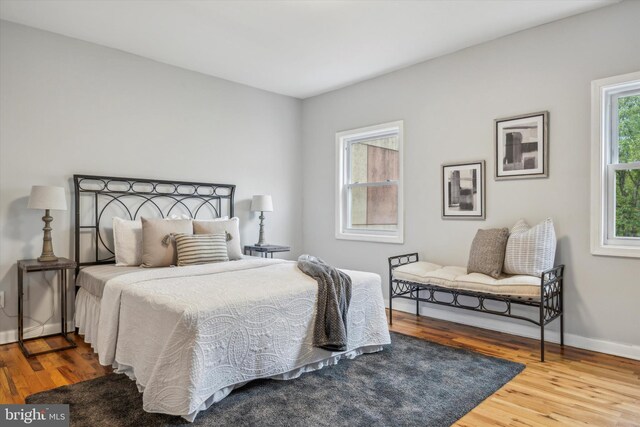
189, 335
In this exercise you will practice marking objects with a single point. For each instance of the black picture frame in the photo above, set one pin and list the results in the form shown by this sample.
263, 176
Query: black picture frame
464, 190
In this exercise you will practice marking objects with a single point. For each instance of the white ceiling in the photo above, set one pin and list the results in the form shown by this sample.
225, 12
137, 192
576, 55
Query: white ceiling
296, 48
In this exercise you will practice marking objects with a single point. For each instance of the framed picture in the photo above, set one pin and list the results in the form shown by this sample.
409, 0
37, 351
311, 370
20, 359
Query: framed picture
463, 191
522, 147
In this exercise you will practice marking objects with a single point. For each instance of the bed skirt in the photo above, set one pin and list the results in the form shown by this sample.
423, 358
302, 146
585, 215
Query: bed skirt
87, 315
290, 375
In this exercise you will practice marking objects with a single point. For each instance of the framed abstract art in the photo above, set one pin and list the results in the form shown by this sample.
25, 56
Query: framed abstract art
463, 190
522, 146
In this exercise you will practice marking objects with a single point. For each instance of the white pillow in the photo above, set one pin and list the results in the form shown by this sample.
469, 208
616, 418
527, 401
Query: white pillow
127, 241
181, 216
530, 250
185, 216
231, 226
222, 218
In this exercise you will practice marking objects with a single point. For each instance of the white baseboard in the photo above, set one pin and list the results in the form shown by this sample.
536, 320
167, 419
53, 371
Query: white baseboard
516, 327
10, 336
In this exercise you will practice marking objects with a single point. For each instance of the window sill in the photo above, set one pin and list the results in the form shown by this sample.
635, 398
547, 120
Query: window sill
616, 251
370, 238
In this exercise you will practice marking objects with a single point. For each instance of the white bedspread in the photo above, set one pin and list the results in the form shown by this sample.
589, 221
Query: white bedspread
189, 335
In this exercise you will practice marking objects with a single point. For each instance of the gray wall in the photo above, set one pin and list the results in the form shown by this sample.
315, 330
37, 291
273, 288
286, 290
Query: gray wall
448, 106
70, 107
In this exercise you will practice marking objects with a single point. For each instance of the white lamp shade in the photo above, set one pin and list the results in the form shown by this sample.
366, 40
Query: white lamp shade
47, 197
262, 203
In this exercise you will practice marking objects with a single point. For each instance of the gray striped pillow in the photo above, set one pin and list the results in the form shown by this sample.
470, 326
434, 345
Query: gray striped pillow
530, 250
201, 248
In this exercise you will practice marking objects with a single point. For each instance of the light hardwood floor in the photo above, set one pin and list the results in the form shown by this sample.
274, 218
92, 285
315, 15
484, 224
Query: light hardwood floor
573, 386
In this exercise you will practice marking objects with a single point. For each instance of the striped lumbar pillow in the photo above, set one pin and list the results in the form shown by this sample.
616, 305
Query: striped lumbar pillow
530, 250
201, 248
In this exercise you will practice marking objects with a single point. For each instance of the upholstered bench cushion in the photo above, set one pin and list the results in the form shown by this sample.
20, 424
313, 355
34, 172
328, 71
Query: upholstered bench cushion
457, 278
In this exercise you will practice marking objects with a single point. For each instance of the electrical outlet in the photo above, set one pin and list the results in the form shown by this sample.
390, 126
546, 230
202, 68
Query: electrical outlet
2, 299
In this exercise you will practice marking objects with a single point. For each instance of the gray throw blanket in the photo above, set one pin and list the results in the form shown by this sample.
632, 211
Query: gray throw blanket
334, 296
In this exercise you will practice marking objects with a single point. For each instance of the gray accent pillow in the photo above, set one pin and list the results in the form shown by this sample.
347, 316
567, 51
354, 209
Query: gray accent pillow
230, 226
158, 244
487, 252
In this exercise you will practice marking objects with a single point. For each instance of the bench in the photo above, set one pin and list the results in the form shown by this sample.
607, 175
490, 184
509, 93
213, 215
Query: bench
431, 283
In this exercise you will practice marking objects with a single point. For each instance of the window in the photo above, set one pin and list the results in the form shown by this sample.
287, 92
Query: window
369, 193
615, 216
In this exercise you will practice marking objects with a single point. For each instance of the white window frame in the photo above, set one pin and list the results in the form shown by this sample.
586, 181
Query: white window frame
604, 163
342, 184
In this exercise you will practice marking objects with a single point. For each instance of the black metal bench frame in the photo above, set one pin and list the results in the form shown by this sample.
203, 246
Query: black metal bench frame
550, 304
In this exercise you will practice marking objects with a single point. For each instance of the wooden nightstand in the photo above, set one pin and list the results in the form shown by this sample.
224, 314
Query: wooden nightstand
30, 265
265, 250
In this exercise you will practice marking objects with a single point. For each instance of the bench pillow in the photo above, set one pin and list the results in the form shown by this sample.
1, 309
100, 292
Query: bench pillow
487, 252
530, 250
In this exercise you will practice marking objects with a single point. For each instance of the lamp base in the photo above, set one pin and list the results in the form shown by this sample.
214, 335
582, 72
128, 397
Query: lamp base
261, 241
47, 246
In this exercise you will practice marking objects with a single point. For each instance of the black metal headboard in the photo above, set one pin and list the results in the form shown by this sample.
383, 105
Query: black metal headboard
100, 198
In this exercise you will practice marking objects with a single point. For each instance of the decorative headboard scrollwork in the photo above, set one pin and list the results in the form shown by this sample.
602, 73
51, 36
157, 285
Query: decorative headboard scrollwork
100, 198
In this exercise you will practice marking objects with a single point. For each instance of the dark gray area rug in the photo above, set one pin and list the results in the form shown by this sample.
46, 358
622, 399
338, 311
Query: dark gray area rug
412, 382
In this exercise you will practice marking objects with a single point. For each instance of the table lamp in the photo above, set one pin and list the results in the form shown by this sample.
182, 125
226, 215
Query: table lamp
47, 197
262, 204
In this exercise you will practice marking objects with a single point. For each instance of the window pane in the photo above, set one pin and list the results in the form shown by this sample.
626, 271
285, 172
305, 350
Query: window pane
374, 208
628, 203
629, 129
374, 160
